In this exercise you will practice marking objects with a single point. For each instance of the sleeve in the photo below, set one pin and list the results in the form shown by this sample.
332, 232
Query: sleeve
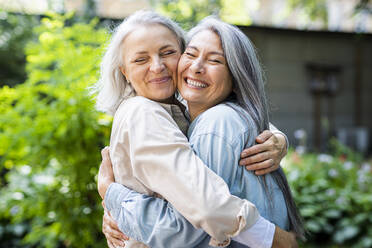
263, 229
275, 130
223, 157
163, 161
150, 220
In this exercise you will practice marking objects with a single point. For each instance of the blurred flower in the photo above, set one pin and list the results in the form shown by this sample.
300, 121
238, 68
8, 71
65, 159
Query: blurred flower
348, 165
51, 215
300, 150
43, 179
14, 210
341, 200
19, 229
366, 167
325, 158
333, 173
330, 192
17, 196
300, 134
54, 163
362, 178
87, 210
72, 101
25, 170
64, 189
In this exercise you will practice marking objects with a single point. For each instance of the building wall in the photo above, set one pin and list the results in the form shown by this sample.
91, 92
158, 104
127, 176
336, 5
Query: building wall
285, 54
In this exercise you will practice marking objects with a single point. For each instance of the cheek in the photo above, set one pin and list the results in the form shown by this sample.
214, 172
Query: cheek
224, 80
182, 64
173, 64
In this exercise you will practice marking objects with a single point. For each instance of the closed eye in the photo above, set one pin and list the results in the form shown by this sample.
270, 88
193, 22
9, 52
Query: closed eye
215, 61
168, 52
139, 60
190, 54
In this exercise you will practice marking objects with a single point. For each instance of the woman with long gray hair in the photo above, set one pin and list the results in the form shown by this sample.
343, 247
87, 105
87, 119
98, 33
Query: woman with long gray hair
227, 107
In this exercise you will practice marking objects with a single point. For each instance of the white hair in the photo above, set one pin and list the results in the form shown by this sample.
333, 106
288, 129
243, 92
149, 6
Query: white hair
112, 87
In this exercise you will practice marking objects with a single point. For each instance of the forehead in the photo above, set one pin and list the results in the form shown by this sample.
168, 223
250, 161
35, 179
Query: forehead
206, 39
151, 36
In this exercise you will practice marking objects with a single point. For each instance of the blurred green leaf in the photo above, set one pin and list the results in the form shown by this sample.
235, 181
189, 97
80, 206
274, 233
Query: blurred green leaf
51, 136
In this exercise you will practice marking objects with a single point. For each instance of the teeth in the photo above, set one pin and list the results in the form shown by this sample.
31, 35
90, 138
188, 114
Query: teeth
196, 84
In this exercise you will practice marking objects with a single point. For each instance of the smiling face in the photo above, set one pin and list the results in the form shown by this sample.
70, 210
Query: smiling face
203, 76
150, 57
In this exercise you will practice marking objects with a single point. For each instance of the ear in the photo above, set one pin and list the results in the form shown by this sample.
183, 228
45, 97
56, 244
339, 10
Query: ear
123, 71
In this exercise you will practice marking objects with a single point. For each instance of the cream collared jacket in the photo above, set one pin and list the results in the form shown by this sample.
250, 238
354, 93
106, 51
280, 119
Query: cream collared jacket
151, 155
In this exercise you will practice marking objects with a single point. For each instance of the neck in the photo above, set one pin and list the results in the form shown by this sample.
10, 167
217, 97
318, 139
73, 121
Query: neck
195, 110
170, 100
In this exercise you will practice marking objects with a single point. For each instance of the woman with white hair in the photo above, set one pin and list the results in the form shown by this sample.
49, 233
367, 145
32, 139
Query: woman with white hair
149, 152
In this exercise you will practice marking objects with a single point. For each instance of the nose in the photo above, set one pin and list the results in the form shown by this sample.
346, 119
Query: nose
157, 65
197, 66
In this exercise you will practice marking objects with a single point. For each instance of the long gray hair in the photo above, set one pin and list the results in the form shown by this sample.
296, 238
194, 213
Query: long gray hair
249, 93
112, 87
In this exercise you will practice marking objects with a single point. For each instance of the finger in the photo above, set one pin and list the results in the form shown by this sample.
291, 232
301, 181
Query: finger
261, 165
255, 158
112, 228
253, 150
116, 234
110, 221
115, 238
115, 242
105, 152
110, 245
264, 171
262, 137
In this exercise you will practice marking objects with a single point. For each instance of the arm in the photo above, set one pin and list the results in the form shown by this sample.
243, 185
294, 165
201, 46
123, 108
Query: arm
157, 223
265, 157
172, 230
169, 228
163, 161
151, 220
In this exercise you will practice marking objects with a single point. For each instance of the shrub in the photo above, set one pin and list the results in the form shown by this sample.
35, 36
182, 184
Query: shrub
15, 32
50, 138
333, 194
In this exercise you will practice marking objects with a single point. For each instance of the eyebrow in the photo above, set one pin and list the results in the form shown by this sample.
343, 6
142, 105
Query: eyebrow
213, 52
161, 48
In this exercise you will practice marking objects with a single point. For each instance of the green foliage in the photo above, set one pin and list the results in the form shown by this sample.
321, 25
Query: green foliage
15, 32
50, 137
187, 13
333, 194
315, 9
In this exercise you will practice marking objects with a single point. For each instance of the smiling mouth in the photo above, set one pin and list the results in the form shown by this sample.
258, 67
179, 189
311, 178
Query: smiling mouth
160, 80
195, 84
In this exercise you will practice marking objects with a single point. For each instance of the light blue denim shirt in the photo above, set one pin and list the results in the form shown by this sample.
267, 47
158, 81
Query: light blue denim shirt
217, 136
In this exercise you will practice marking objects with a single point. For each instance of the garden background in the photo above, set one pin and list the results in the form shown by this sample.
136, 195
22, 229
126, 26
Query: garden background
51, 136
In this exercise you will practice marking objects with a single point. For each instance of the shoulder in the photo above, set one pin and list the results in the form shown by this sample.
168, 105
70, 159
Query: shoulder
228, 121
137, 107
222, 112
225, 115
138, 102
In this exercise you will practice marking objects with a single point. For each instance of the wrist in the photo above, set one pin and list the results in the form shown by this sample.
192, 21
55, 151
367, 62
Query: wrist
102, 188
282, 142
